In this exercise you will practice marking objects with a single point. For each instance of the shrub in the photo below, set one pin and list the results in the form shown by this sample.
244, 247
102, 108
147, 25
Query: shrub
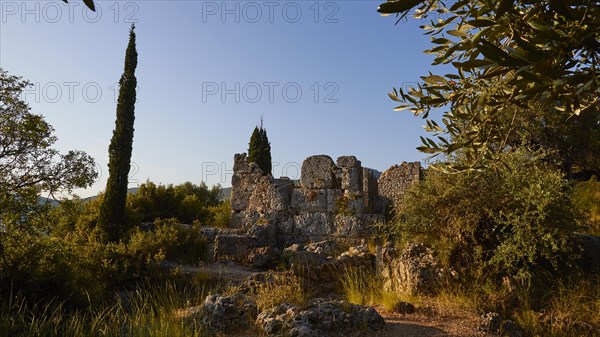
511, 220
586, 197
221, 214
170, 240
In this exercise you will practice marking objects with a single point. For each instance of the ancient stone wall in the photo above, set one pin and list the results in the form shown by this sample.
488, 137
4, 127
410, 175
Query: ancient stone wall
394, 182
331, 200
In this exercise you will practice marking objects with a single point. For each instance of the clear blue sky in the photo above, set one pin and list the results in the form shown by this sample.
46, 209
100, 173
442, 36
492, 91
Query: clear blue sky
208, 71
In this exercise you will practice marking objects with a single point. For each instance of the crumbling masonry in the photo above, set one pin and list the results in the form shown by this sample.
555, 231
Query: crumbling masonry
330, 201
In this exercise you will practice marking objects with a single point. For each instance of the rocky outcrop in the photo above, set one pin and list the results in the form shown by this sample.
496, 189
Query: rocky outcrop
320, 269
413, 270
222, 314
322, 317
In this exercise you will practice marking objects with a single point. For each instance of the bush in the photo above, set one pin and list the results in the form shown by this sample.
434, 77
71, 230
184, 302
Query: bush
511, 220
170, 240
586, 197
221, 214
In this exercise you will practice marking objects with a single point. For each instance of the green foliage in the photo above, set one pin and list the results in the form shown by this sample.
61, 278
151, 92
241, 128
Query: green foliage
221, 214
508, 56
186, 202
586, 197
112, 213
171, 241
259, 150
28, 163
515, 220
70, 262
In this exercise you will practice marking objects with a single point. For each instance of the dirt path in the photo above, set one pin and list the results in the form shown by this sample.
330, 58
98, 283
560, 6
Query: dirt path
432, 325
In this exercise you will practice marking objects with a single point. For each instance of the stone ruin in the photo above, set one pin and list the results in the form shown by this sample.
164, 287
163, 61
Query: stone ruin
341, 200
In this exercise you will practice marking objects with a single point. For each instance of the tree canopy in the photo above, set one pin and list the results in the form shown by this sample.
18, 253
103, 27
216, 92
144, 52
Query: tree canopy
509, 57
259, 150
28, 163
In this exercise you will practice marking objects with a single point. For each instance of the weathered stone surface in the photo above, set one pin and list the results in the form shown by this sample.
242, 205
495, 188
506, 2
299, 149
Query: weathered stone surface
322, 318
334, 198
347, 226
414, 270
394, 182
263, 257
314, 225
266, 234
220, 313
243, 182
243, 219
281, 193
318, 172
234, 247
309, 200
328, 201
348, 161
370, 190
352, 180
298, 256
492, 323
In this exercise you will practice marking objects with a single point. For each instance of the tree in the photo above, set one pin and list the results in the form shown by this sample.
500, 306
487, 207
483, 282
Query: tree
507, 55
112, 212
28, 163
259, 150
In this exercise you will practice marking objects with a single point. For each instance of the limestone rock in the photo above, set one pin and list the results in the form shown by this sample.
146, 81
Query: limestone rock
347, 226
414, 270
322, 318
309, 200
394, 182
227, 313
370, 190
263, 257
297, 255
348, 161
314, 225
234, 247
318, 172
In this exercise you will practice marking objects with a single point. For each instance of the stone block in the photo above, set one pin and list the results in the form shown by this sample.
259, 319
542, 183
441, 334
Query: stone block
309, 200
348, 161
314, 225
352, 180
334, 197
234, 247
318, 172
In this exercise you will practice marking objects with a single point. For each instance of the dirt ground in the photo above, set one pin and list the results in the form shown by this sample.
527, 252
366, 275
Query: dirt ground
459, 324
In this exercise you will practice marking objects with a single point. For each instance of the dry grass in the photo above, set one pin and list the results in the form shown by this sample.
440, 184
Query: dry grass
282, 288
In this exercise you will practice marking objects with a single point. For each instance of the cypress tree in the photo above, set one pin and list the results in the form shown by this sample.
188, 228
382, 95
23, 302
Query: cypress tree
259, 150
111, 217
